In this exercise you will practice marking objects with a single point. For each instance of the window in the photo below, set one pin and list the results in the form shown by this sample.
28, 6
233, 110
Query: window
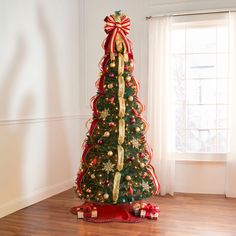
200, 75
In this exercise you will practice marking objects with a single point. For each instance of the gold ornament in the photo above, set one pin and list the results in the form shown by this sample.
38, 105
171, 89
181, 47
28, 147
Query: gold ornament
137, 129
110, 153
112, 64
92, 176
130, 98
106, 196
128, 178
110, 86
104, 113
128, 78
142, 165
106, 134
108, 167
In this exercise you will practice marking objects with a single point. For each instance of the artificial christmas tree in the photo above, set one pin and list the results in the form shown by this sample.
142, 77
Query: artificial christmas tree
115, 165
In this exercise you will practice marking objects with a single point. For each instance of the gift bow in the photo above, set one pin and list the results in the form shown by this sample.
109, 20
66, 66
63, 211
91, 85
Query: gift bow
152, 209
87, 207
113, 27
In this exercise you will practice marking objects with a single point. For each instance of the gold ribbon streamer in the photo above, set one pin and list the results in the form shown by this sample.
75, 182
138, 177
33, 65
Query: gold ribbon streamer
121, 137
116, 187
120, 162
121, 64
122, 107
121, 90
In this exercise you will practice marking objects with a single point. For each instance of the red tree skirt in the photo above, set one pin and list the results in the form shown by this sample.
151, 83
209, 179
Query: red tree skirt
112, 213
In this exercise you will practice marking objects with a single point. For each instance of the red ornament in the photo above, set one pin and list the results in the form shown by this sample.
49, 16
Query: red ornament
132, 158
112, 124
142, 155
107, 182
111, 100
131, 191
95, 160
132, 121
100, 141
145, 175
127, 84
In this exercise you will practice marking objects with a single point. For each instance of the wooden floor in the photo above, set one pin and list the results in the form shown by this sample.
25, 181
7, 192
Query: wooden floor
182, 215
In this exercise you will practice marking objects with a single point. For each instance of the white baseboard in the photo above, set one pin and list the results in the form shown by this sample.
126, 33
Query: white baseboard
37, 196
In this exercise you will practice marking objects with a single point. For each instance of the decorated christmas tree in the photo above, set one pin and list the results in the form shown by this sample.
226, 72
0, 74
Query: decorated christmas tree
115, 165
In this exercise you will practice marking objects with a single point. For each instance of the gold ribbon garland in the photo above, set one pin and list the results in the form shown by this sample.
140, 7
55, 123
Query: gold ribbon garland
121, 64
120, 162
121, 107
121, 92
116, 186
121, 137
121, 89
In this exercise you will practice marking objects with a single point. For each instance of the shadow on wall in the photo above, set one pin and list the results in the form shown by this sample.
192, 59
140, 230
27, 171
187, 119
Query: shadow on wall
58, 163
13, 136
13, 146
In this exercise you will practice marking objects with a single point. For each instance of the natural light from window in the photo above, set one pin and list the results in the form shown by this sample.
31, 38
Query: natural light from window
200, 75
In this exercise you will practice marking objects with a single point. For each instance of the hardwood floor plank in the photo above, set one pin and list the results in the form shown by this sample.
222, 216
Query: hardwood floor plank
181, 215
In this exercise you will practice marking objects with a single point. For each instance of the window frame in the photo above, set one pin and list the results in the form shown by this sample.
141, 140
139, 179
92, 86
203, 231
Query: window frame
202, 21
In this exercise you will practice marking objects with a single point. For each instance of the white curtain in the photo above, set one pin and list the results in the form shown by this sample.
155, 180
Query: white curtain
159, 102
231, 157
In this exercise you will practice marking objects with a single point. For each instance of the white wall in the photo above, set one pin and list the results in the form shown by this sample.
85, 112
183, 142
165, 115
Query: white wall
39, 100
191, 176
45, 47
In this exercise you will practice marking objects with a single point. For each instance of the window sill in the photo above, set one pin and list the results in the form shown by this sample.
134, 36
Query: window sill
201, 157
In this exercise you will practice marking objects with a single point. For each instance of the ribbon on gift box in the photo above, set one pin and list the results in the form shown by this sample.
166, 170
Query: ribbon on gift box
149, 211
87, 210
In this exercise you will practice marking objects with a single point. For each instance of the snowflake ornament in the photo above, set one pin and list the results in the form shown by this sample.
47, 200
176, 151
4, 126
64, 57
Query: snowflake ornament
145, 186
104, 113
135, 143
108, 167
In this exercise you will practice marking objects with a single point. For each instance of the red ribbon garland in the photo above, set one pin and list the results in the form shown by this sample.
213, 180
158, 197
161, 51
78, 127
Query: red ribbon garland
112, 28
92, 128
85, 152
94, 104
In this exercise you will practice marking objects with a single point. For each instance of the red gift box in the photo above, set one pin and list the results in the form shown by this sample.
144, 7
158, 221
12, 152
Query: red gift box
86, 210
149, 211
